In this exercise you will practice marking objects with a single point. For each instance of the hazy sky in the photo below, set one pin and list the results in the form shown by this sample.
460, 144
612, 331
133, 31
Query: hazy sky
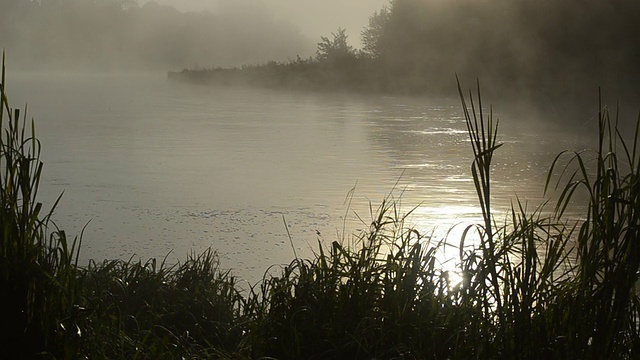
313, 17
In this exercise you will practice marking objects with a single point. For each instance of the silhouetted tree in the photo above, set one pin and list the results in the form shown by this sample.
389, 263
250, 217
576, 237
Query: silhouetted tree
336, 49
373, 33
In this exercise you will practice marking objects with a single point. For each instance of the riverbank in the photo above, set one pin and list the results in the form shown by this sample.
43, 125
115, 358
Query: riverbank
534, 287
364, 76
351, 75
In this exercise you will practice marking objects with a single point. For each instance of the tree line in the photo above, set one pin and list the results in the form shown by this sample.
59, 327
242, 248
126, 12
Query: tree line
539, 50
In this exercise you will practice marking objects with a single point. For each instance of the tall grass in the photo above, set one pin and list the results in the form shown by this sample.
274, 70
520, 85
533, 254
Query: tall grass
603, 304
150, 310
533, 286
37, 262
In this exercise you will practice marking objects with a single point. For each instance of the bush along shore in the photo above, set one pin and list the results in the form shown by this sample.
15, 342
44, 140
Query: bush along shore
348, 73
538, 287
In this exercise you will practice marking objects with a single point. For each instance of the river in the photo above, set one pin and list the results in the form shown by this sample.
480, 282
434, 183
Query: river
156, 168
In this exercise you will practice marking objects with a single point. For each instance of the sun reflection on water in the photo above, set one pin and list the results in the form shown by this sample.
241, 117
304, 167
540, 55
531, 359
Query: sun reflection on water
446, 226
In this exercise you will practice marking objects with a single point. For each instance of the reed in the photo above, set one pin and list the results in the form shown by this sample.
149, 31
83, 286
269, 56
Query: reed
151, 310
603, 305
37, 261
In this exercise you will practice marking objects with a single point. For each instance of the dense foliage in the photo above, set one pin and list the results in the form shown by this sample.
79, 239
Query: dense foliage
529, 45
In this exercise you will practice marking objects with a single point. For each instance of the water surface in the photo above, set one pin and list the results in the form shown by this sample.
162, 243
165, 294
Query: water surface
153, 167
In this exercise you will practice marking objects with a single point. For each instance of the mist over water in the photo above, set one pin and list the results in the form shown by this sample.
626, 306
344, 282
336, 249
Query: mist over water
553, 53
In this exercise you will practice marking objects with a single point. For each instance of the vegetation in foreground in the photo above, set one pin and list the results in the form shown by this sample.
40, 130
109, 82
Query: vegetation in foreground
532, 288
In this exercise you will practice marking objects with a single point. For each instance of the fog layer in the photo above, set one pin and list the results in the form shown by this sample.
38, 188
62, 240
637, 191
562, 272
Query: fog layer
545, 49
123, 35
314, 18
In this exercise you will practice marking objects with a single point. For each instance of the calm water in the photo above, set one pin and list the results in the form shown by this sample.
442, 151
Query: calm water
154, 167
